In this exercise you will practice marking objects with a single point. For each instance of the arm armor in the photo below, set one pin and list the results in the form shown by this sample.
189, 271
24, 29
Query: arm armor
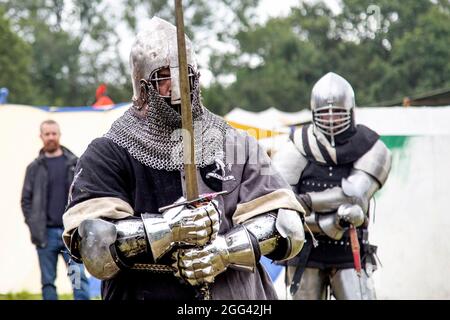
279, 236
358, 188
105, 247
369, 174
355, 194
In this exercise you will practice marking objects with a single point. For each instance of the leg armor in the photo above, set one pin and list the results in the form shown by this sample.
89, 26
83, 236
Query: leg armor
313, 284
279, 236
346, 285
105, 247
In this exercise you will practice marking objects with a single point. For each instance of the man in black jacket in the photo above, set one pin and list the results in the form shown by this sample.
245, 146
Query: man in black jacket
44, 197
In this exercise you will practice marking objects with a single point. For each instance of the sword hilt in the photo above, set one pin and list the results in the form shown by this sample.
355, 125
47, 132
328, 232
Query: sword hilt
206, 197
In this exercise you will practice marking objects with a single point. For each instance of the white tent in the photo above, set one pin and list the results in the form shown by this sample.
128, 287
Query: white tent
270, 119
387, 121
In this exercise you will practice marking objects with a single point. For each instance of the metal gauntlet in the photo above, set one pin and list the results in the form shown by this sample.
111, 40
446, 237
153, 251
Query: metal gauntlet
181, 226
334, 225
234, 250
281, 235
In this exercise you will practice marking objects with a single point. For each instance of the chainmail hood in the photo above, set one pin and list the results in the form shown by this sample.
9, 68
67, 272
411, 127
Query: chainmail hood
151, 132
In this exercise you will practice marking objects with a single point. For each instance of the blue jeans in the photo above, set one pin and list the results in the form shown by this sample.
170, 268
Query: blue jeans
48, 259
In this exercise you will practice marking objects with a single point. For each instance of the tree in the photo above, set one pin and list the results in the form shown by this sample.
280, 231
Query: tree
73, 49
15, 60
386, 49
74, 43
421, 56
278, 61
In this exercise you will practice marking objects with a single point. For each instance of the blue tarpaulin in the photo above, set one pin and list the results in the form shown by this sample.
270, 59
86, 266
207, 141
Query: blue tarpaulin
271, 268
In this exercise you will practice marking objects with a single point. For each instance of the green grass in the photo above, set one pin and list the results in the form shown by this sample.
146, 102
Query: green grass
25, 295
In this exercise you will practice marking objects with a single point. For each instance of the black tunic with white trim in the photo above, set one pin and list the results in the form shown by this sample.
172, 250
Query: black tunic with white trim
108, 171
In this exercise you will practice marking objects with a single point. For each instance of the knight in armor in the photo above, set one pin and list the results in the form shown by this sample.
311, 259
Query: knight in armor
210, 250
335, 167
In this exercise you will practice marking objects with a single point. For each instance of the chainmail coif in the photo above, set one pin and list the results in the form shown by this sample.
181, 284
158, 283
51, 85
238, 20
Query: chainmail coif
152, 135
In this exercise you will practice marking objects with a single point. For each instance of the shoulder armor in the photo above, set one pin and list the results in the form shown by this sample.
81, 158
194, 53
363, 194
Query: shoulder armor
289, 162
376, 162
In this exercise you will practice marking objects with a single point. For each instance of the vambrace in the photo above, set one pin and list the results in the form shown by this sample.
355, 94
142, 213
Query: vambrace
358, 188
333, 208
279, 236
106, 247
369, 174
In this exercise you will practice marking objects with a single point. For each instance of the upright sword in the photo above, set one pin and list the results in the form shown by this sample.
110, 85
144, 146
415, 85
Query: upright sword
190, 169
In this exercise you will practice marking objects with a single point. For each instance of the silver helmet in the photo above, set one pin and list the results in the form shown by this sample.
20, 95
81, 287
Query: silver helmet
332, 105
154, 49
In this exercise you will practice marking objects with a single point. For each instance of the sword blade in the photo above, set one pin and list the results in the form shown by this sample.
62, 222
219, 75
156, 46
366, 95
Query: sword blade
190, 170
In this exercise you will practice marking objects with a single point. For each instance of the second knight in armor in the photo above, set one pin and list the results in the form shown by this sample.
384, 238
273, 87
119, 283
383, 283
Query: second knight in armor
335, 168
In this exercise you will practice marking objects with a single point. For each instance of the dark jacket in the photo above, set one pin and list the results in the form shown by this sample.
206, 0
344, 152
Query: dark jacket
34, 195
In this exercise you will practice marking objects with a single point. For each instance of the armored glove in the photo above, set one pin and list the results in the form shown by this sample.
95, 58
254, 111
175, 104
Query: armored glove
202, 265
181, 226
193, 226
350, 213
335, 224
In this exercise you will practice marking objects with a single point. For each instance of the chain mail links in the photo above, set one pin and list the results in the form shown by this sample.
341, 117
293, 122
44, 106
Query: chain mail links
158, 268
204, 290
155, 140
